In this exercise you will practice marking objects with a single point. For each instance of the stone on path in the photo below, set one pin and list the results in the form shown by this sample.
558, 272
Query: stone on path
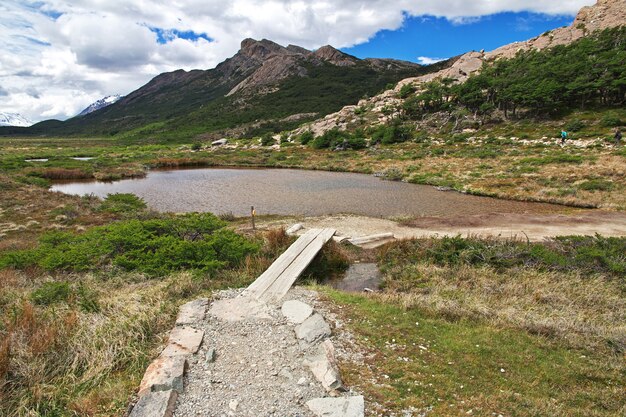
192, 312
324, 367
210, 355
313, 329
296, 311
155, 404
338, 407
164, 374
183, 341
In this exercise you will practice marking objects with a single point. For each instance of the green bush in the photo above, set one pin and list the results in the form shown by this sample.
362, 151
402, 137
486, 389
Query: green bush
306, 137
51, 293
156, 247
406, 90
196, 146
596, 185
122, 203
586, 254
612, 121
268, 139
574, 126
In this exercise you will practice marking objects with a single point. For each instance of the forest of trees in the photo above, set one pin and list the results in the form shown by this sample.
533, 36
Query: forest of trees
588, 72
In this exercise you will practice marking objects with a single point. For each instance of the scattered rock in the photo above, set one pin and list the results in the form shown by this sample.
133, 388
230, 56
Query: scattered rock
164, 374
233, 404
338, 407
155, 404
210, 355
296, 311
313, 329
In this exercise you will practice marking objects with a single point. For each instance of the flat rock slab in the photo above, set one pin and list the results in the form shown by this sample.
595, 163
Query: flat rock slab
338, 407
155, 404
192, 312
296, 311
240, 308
313, 329
164, 374
183, 341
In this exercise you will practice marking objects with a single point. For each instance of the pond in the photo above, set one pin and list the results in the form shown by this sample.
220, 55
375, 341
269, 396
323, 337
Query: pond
295, 192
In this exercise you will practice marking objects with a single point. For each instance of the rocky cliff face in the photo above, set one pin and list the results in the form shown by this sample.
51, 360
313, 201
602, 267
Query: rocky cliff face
603, 15
275, 62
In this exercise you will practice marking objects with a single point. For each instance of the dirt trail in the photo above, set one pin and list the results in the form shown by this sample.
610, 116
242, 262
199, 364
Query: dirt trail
506, 225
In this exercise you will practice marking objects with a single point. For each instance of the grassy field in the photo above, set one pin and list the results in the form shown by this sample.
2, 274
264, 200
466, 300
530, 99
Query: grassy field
472, 327
515, 160
82, 313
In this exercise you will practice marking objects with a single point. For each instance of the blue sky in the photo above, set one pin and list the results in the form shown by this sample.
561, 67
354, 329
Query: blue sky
434, 37
59, 56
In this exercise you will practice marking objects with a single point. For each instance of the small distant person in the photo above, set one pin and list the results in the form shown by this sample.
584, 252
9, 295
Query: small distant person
618, 137
563, 136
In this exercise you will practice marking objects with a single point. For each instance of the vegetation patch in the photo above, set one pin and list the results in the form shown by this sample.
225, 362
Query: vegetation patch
155, 247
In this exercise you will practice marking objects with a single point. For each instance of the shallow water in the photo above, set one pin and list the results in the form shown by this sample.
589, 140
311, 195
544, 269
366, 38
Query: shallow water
295, 192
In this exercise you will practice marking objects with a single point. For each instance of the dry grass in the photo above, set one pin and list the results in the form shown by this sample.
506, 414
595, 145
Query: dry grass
582, 311
65, 174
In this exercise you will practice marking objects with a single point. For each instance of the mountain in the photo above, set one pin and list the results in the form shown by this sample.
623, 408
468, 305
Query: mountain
97, 105
605, 14
263, 87
14, 119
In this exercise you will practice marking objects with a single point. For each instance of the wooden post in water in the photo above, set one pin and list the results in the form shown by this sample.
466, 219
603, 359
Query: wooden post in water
253, 214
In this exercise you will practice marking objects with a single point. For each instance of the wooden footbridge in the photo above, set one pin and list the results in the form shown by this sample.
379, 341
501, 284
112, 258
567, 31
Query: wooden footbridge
276, 281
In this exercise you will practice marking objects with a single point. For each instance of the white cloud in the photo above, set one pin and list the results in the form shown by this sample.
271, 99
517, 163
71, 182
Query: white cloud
424, 60
58, 56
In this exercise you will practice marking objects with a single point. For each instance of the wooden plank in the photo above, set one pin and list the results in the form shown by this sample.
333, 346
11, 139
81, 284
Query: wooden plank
278, 267
283, 283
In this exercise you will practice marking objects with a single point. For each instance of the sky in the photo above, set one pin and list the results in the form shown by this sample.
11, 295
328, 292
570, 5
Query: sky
59, 56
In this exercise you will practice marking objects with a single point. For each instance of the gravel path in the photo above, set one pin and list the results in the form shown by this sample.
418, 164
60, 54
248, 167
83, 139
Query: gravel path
258, 367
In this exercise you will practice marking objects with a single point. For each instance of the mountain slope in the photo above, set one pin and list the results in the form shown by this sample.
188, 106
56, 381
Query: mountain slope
226, 99
605, 14
100, 104
14, 120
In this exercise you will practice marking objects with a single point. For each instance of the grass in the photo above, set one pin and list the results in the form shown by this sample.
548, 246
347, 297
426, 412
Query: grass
421, 363
75, 342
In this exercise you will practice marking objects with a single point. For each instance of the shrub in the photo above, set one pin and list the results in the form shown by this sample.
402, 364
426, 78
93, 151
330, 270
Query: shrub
574, 126
156, 247
306, 137
406, 90
612, 121
123, 203
596, 185
196, 147
267, 140
51, 293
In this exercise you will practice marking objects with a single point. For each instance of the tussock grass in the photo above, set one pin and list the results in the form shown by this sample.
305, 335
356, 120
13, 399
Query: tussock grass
570, 289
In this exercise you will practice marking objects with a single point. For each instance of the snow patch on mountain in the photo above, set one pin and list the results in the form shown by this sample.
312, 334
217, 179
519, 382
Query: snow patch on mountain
103, 102
14, 119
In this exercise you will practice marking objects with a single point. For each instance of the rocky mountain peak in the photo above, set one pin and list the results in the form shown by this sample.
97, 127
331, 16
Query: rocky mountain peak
261, 50
335, 56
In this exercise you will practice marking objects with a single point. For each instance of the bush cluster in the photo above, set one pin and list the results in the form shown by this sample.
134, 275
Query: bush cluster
156, 247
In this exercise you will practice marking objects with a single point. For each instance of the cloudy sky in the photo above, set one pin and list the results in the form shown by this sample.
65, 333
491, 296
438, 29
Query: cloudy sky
58, 56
